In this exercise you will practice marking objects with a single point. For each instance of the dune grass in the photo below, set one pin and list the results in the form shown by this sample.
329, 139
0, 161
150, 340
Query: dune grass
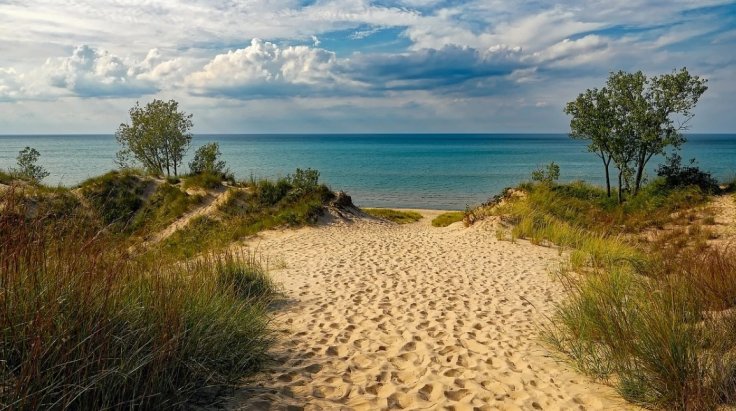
164, 206
84, 326
265, 205
656, 321
396, 216
445, 219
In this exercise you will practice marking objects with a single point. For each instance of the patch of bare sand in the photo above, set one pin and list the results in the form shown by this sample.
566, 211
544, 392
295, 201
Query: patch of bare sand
386, 316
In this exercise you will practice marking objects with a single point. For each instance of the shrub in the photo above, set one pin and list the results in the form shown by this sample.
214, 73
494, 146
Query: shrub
547, 175
677, 175
27, 165
304, 179
270, 193
207, 160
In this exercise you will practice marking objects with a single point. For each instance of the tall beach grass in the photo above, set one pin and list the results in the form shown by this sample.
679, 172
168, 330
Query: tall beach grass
84, 325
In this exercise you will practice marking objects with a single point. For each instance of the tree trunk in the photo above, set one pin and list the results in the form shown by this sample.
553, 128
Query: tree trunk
620, 187
639, 172
608, 181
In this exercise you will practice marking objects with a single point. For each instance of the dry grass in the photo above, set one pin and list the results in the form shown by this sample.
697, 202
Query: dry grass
396, 216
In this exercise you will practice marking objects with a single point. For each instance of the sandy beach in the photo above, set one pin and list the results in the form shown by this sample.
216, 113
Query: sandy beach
387, 316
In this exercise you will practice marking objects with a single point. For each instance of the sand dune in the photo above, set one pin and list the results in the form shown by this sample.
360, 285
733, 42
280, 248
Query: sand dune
382, 316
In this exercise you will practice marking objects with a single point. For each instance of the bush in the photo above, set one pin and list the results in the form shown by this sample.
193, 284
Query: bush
207, 160
27, 165
306, 180
677, 175
270, 193
86, 327
547, 175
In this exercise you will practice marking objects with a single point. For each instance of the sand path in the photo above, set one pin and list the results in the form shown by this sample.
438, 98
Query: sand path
383, 316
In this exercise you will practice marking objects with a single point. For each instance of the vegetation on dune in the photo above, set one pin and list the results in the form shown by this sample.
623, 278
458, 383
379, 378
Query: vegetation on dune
157, 137
396, 216
634, 118
85, 326
445, 219
116, 196
293, 201
650, 307
163, 207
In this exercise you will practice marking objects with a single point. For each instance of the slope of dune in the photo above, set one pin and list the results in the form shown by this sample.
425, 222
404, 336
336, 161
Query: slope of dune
383, 316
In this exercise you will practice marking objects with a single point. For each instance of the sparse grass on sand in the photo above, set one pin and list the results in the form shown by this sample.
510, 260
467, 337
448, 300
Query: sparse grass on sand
396, 216
445, 219
656, 321
84, 325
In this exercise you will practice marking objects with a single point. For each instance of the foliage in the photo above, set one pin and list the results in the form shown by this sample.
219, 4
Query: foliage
548, 175
28, 167
116, 196
162, 208
84, 326
445, 219
207, 181
677, 175
207, 160
396, 216
593, 119
659, 321
158, 137
6, 177
269, 205
635, 118
304, 179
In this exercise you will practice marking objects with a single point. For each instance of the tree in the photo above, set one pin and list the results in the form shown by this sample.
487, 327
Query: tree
27, 165
633, 119
206, 160
547, 175
158, 137
592, 119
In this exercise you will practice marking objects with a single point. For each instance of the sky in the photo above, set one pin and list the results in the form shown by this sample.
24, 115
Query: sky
326, 66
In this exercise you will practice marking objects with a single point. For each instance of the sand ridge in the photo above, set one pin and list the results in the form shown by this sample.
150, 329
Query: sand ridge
386, 316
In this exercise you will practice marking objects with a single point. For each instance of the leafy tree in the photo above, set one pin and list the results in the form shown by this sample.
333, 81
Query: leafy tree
304, 179
27, 165
547, 175
207, 160
635, 118
593, 120
158, 137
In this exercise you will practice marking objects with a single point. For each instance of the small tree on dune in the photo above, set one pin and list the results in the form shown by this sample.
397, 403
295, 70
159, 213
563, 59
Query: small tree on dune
28, 167
158, 137
207, 160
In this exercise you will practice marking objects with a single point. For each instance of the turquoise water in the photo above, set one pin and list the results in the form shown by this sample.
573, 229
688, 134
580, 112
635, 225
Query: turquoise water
439, 171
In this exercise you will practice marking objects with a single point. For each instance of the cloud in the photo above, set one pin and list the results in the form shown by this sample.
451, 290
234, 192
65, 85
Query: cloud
91, 72
265, 69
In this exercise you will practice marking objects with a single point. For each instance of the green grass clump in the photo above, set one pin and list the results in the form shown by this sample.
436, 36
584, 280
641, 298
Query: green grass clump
116, 196
664, 332
267, 204
207, 181
396, 216
163, 207
6, 177
445, 219
84, 326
